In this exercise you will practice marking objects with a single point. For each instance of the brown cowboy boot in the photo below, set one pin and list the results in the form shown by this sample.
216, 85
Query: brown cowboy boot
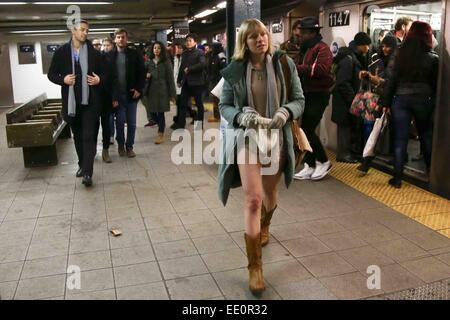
265, 222
254, 253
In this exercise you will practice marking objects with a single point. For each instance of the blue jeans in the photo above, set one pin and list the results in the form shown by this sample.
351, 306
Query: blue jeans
367, 129
404, 107
160, 119
126, 111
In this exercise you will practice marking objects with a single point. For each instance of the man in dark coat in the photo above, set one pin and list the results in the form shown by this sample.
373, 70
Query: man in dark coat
192, 81
105, 112
79, 69
350, 62
315, 74
128, 84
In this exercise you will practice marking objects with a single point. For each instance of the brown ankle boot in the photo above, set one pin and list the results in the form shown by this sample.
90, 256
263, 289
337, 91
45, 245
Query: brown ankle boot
254, 254
265, 222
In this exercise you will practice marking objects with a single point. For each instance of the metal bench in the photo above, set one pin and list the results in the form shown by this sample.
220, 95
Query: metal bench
35, 126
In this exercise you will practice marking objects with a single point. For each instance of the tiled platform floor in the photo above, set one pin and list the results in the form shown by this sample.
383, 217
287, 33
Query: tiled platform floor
179, 242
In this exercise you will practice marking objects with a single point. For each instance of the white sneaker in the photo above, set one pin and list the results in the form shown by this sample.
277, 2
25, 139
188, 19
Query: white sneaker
322, 169
305, 173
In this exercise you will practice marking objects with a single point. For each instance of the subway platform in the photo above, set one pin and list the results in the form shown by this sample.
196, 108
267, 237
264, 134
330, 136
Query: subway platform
179, 242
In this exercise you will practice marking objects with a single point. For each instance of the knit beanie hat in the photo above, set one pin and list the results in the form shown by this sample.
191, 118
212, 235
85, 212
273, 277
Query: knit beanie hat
362, 38
389, 41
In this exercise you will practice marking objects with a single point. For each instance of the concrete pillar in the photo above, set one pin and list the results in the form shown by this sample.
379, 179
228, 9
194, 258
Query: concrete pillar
238, 11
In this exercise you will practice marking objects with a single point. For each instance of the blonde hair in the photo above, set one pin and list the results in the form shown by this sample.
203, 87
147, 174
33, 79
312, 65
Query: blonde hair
247, 28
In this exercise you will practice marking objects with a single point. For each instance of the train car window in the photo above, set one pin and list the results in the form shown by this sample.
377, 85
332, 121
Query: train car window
381, 20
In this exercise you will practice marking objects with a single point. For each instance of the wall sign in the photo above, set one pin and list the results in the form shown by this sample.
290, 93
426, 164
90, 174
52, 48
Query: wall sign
26, 48
339, 19
26, 53
51, 48
179, 35
334, 48
277, 28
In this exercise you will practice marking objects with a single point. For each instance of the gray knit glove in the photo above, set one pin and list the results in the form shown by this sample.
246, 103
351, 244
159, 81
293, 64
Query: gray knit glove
279, 118
248, 118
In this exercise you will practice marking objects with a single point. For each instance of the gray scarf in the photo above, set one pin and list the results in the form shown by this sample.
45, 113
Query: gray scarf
265, 142
273, 102
83, 58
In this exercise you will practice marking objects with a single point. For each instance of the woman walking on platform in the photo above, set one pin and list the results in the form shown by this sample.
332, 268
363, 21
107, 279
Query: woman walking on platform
256, 90
161, 87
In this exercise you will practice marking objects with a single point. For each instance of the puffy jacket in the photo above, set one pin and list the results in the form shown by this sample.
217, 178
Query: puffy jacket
315, 70
409, 84
194, 60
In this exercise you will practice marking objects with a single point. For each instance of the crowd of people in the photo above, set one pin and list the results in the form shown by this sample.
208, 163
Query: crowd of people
102, 82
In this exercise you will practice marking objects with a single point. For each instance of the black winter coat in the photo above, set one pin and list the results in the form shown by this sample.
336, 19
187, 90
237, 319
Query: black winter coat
346, 86
194, 60
423, 84
135, 73
61, 66
107, 87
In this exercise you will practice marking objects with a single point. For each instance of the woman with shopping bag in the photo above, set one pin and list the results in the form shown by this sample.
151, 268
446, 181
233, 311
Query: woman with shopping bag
377, 75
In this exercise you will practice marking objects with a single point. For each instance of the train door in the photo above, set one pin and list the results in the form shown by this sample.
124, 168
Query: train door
383, 17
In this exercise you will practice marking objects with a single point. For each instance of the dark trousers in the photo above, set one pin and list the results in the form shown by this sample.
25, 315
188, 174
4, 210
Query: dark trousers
344, 134
404, 108
160, 118
216, 107
84, 126
186, 93
105, 121
315, 105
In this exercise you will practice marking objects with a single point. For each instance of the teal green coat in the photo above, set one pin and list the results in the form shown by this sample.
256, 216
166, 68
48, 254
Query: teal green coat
234, 98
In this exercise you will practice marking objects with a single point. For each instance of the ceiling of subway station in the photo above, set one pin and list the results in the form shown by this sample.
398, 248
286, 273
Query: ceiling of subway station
142, 18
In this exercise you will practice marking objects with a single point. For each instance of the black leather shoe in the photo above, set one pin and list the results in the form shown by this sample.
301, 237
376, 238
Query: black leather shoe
396, 183
347, 159
79, 173
87, 180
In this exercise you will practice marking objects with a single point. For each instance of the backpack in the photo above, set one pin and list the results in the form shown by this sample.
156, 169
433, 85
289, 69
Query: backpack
342, 53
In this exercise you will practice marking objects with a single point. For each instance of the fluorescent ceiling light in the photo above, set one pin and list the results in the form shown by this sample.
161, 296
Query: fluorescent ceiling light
11, 3
44, 34
104, 30
37, 31
69, 3
222, 5
205, 13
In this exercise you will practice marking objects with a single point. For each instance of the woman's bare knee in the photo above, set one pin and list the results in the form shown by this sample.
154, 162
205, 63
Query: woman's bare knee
253, 202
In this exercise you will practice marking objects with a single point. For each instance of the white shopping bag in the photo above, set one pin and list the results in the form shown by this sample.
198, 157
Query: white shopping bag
217, 91
378, 127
